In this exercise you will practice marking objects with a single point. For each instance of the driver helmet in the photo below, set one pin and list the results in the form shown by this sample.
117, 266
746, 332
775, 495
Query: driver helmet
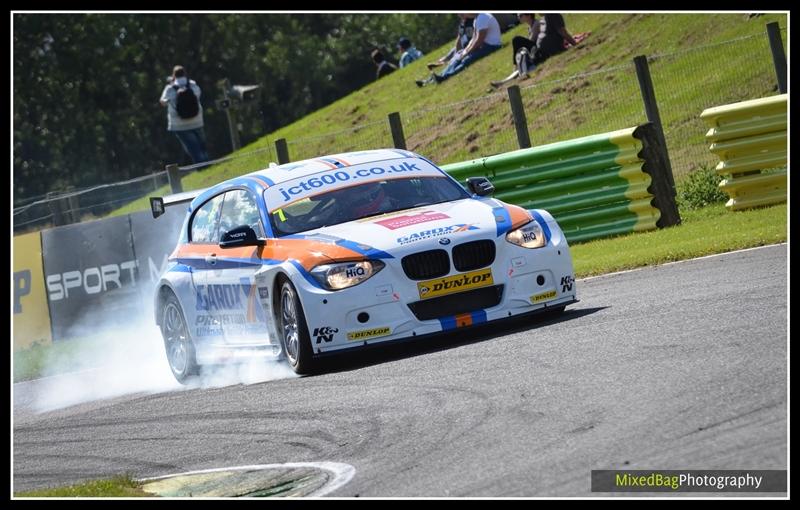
364, 200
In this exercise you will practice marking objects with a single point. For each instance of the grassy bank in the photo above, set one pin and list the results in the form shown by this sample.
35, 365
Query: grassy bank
463, 118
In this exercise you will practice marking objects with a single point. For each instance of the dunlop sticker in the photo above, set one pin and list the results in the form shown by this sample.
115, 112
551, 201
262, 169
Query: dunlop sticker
368, 333
457, 283
544, 296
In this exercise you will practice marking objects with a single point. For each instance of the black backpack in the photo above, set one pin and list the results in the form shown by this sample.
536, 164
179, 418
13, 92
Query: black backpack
187, 104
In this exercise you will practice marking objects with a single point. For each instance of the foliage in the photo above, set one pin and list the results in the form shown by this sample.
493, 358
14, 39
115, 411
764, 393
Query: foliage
86, 86
699, 189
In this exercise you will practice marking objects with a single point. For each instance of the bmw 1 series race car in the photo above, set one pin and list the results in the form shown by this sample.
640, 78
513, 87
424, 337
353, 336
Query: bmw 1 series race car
339, 252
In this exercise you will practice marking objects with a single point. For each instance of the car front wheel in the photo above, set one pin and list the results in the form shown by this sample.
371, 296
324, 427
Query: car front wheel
293, 330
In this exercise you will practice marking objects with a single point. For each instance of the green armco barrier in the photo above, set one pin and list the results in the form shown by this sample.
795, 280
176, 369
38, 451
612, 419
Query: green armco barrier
595, 186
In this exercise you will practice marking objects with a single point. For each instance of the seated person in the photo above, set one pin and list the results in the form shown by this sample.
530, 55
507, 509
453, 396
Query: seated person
485, 40
408, 52
551, 38
384, 67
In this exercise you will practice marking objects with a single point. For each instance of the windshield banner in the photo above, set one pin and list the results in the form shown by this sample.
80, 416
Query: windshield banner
282, 194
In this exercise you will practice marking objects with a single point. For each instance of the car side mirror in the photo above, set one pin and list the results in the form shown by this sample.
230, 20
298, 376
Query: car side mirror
243, 235
480, 186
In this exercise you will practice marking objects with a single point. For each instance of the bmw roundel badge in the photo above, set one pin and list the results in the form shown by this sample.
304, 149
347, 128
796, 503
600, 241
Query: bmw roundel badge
444, 241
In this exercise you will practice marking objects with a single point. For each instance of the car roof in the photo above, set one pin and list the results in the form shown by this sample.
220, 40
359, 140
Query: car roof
293, 170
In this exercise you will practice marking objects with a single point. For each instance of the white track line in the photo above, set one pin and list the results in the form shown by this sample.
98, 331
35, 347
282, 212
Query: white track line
342, 473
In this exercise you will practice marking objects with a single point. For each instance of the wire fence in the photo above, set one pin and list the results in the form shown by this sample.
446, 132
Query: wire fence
704, 87
463, 130
366, 136
597, 101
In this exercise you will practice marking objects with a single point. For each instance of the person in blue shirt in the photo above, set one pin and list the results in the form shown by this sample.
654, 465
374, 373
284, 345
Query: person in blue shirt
409, 53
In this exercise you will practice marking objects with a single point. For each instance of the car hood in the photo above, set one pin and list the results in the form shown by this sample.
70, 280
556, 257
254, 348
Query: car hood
390, 233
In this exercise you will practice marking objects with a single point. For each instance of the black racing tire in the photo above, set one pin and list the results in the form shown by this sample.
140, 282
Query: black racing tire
295, 341
178, 342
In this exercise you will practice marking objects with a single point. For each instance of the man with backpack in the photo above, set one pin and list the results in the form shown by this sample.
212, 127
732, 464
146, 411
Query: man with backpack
181, 96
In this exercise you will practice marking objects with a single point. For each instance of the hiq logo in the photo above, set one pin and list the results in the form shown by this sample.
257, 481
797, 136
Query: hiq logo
353, 271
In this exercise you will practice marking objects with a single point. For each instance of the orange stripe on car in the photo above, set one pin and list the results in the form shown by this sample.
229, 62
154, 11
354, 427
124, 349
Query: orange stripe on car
308, 253
330, 165
519, 216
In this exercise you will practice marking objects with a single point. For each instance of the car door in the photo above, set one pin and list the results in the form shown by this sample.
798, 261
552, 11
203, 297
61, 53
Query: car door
232, 277
200, 254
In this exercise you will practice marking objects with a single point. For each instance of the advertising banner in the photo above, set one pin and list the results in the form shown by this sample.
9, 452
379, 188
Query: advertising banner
31, 320
91, 277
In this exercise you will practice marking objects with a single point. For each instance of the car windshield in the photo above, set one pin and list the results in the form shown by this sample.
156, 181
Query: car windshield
363, 200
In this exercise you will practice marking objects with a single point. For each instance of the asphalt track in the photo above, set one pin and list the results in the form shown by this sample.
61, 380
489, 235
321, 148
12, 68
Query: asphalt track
681, 366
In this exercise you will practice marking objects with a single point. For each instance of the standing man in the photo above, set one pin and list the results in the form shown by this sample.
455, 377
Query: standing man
181, 96
485, 40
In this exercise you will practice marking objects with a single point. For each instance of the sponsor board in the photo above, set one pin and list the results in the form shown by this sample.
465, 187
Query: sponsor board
369, 333
458, 283
543, 296
31, 320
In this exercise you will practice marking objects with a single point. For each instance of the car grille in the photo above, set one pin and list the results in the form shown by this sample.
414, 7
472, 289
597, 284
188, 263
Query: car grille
473, 255
426, 264
455, 304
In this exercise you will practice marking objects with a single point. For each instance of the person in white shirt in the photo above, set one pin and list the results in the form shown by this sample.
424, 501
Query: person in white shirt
485, 40
185, 114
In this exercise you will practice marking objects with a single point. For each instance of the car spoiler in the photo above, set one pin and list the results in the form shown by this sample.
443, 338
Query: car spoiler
158, 204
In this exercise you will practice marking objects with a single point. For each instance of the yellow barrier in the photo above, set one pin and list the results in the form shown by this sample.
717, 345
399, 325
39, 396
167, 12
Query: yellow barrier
749, 138
31, 321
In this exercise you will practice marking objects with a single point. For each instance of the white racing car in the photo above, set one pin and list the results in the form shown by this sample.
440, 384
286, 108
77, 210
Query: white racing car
339, 252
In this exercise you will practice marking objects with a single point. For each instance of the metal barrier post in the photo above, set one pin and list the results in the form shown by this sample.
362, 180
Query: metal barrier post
233, 125
396, 126
174, 176
778, 55
72, 209
656, 165
518, 112
57, 208
283, 151
651, 109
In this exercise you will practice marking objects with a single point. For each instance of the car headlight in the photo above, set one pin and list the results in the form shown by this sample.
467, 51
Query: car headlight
346, 274
529, 235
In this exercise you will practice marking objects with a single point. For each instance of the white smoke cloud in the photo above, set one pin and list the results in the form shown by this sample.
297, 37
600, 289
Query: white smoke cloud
128, 359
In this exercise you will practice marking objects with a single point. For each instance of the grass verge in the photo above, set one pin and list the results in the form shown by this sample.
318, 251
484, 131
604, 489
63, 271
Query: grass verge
705, 231
122, 486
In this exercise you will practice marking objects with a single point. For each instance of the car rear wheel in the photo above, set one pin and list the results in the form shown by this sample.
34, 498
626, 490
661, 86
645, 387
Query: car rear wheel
293, 330
177, 341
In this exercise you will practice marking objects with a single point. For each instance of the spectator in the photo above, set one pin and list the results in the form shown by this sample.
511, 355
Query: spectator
462, 39
485, 40
552, 39
384, 67
409, 53
519, 43
181, 96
